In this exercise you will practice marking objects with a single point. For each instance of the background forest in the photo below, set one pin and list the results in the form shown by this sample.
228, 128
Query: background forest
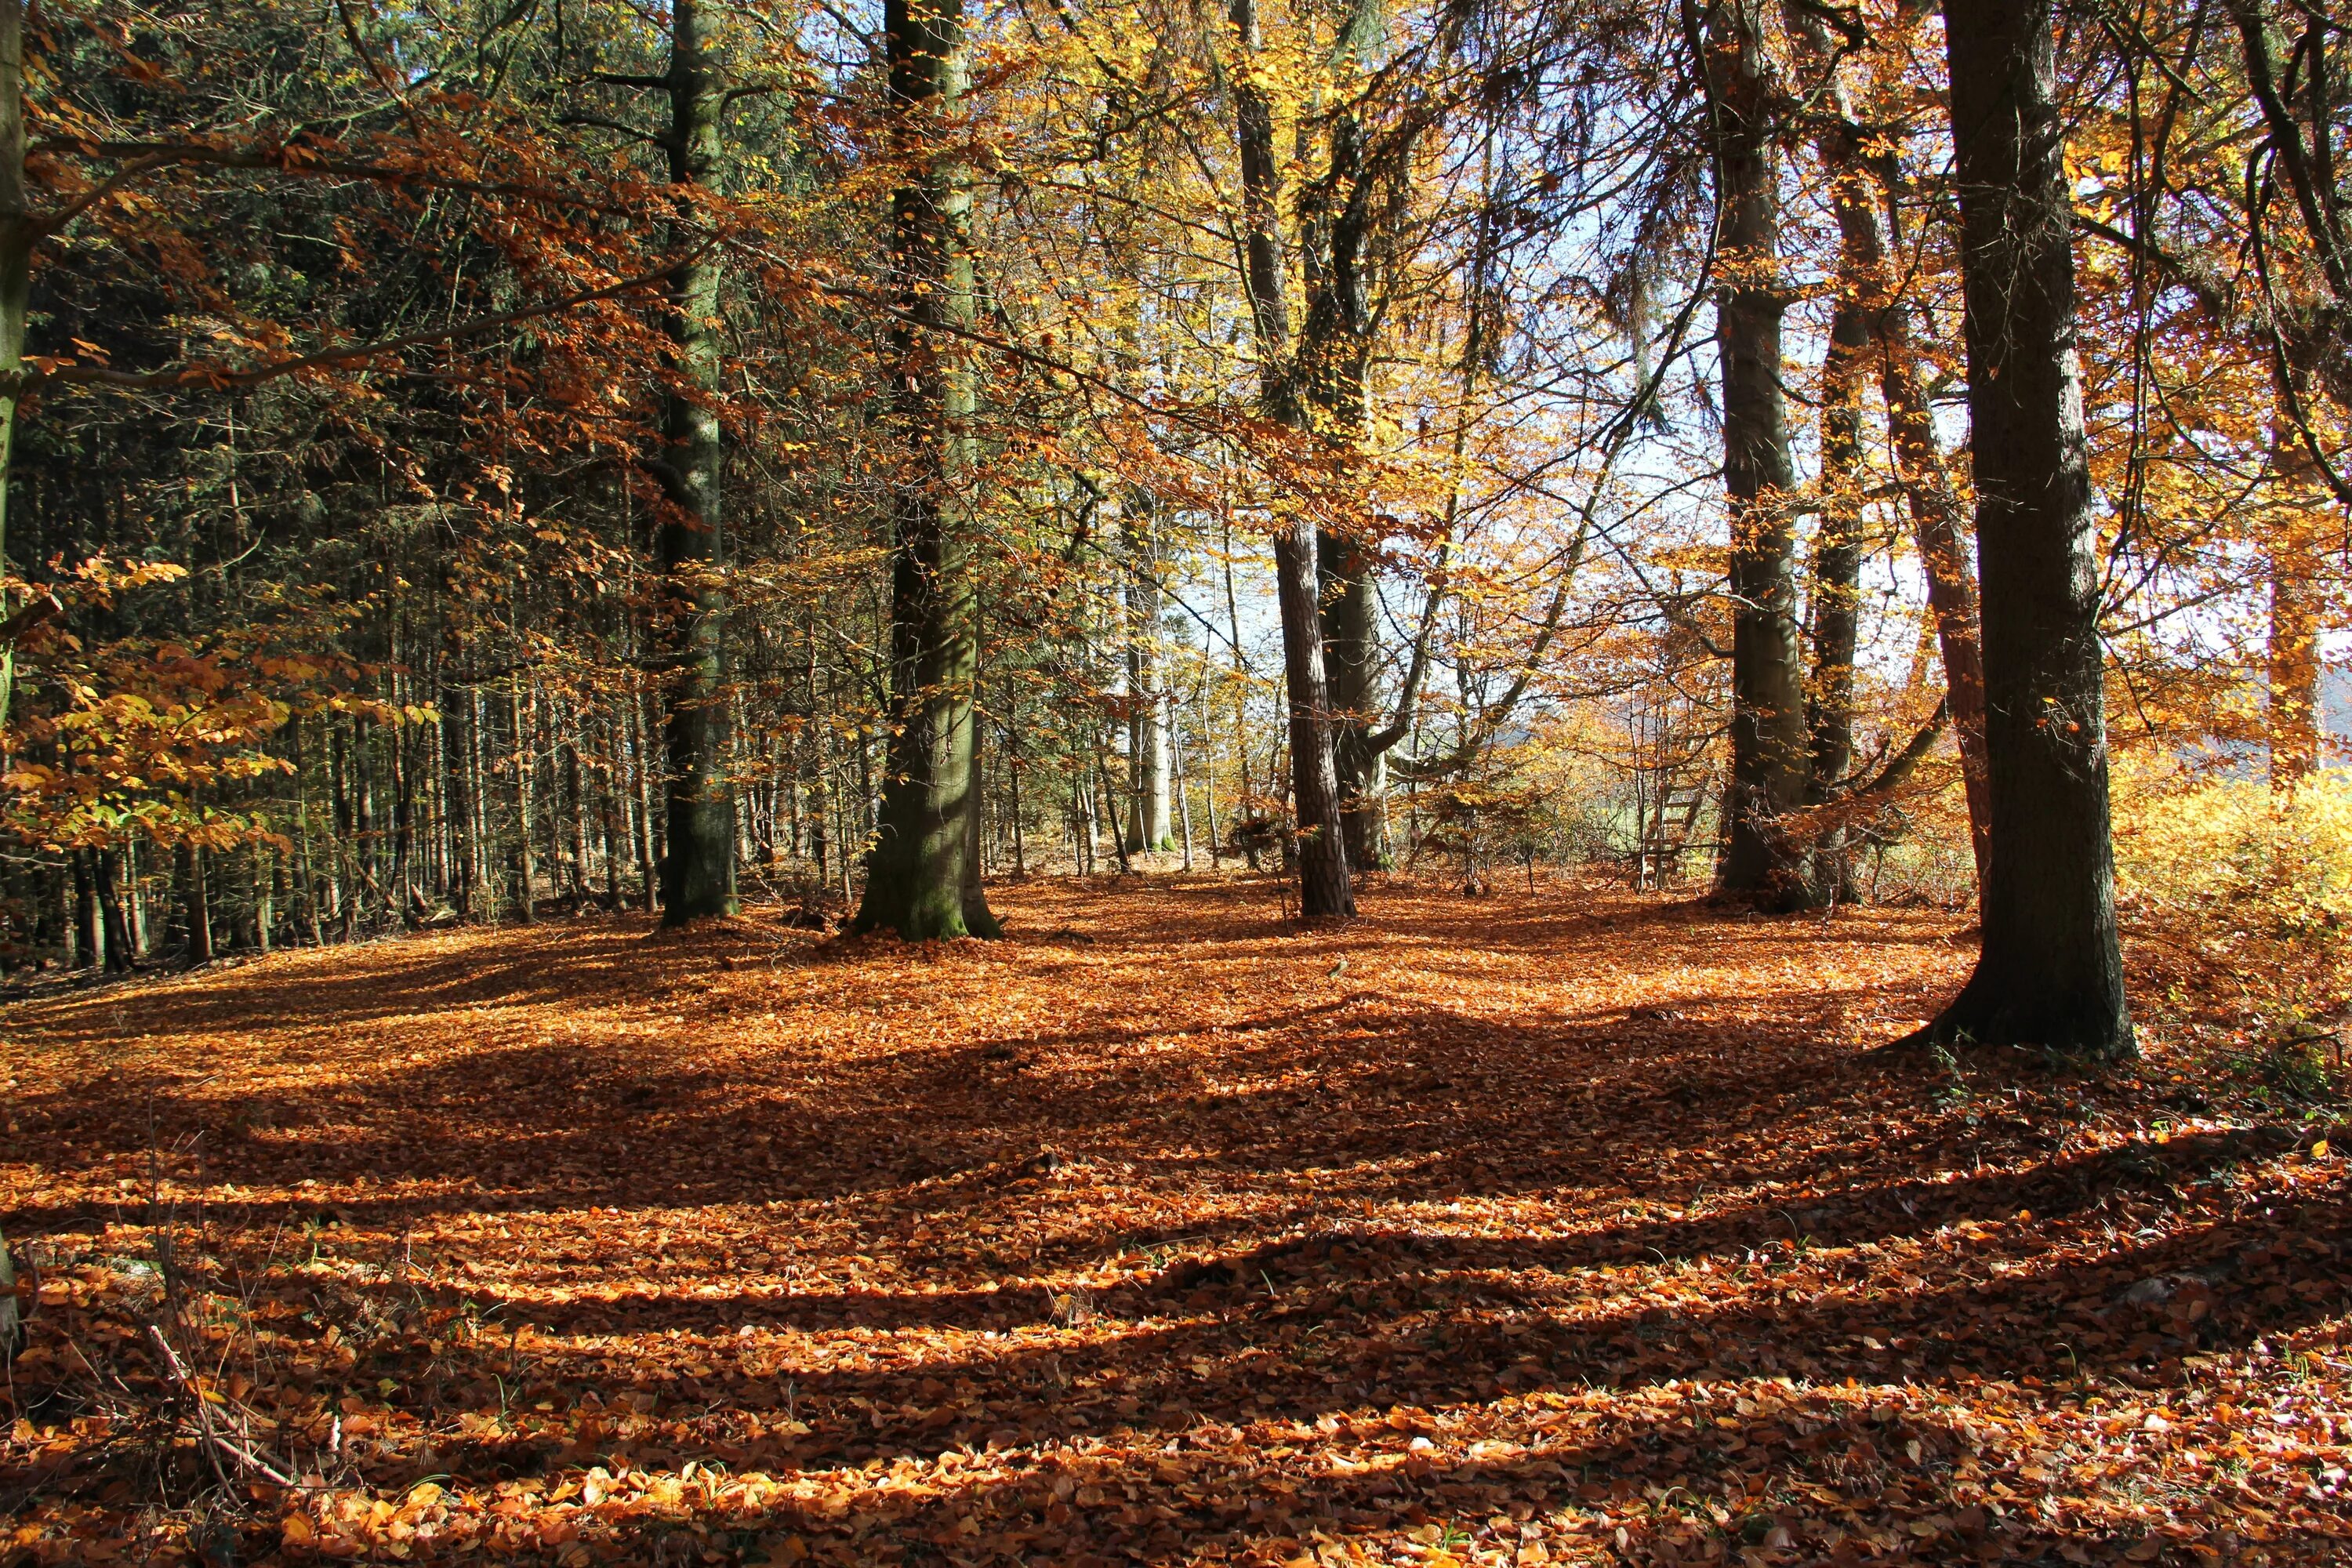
478, 460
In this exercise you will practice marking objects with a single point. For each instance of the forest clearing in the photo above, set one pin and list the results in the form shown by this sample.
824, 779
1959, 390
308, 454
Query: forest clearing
1081, 782
1573, 1226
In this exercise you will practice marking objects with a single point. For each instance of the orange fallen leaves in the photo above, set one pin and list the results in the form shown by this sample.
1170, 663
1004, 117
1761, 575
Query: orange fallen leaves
1545, 1229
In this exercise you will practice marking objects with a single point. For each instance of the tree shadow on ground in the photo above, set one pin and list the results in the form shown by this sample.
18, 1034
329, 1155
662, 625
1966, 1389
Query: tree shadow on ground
1142, 1234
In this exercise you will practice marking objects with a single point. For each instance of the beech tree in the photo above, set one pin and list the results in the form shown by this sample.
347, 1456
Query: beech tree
2050, 972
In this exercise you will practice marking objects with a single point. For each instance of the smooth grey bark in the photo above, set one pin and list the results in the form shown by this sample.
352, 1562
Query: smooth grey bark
1149, 825
697, 870
921, 877
2050, 972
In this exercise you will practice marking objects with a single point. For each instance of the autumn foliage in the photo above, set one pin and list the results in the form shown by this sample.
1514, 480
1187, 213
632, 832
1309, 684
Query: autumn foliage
1576, 1227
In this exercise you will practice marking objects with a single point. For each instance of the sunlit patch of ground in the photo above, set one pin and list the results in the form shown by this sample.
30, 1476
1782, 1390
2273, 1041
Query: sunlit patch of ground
1568, 1225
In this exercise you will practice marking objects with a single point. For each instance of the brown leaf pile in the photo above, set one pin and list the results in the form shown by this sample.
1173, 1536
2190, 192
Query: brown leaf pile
1569, 1227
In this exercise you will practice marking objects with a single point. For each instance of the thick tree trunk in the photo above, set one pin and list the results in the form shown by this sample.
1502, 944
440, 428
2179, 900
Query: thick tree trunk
917, 878
697, 873
90, 936
1324, 887
2050, 974
1770, 756
122, 950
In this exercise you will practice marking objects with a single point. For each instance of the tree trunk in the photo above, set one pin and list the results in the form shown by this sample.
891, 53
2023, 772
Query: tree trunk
89, 935
1835, 599
195, 905
1323, 888
1863, 193
697, 873
521, 747
18, 231
917, 877
2050, 974
2292, 714
1771, 772
121, 951
1147, 730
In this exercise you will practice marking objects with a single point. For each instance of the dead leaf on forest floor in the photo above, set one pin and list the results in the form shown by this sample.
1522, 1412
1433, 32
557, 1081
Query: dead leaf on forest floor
1579, 1226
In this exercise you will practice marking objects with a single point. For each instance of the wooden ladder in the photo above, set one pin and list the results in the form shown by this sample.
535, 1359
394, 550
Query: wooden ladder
1668, 831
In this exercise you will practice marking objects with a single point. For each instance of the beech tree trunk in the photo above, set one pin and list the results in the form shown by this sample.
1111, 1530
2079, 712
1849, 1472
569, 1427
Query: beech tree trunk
921, 879
1771, 770
1150, 828
2050, 974
697, 871
1324, 887
1863, 195
121, 950
2292, 711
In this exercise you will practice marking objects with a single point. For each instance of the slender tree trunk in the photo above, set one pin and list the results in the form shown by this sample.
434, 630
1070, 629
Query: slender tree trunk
917, 878
697, 873
196, 905
1835, 599
1863, 193
1147, 719
1771, 770
2050, 974
522, 748
2297, 599
1183, 789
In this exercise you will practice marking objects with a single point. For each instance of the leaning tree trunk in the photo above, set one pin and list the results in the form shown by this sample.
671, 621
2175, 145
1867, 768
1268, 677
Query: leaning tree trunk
2050, 974
1770, 755
1863, 195
921, 880
1836, 588
1324, 889
697, 874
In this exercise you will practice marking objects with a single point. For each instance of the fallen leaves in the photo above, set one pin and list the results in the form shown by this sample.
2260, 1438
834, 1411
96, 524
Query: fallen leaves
1576, 1227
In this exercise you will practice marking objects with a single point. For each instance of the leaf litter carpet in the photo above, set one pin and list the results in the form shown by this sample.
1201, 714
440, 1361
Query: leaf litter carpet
1577, 1227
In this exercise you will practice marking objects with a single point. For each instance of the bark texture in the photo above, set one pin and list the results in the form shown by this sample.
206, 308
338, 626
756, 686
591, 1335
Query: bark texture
2050, 974
922, 878
1771, 770
1325, 889
697, 873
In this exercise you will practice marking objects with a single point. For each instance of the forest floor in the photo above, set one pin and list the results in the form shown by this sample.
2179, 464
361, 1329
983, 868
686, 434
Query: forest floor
1570, 1227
